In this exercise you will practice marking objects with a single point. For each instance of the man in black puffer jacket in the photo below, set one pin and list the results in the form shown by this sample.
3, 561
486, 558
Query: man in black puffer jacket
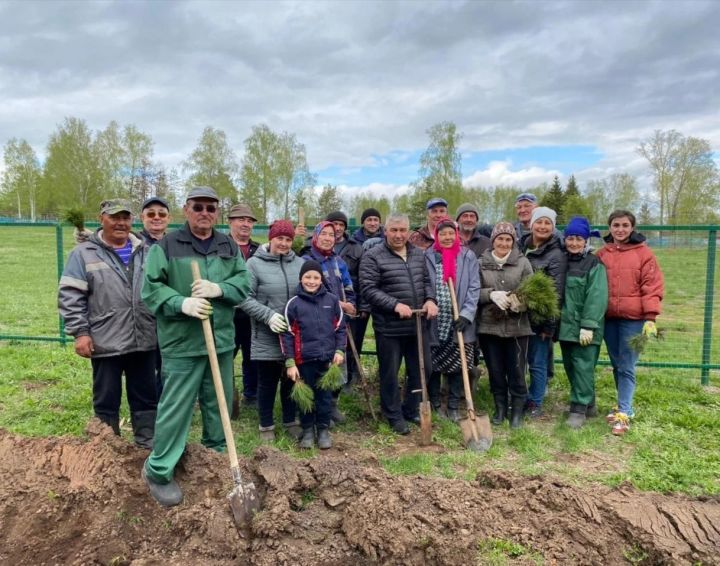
395, 281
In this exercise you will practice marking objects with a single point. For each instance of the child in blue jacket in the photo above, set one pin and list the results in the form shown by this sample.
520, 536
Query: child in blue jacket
316, 338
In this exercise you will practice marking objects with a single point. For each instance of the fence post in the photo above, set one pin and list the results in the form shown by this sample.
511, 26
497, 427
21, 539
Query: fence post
708, 316
60, 268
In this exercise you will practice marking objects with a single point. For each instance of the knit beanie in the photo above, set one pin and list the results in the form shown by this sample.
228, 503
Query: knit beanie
579, 226
503, 228
467, 207
337, 216
543, 212
310, 265
369, 212
281, 228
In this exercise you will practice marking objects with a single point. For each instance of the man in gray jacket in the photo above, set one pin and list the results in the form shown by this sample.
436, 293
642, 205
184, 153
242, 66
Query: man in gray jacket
99, 298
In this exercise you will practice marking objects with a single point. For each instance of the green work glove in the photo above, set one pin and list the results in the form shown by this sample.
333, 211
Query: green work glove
649, 329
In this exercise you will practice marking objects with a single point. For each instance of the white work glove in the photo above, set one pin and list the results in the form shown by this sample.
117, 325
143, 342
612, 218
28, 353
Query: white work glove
206, 289
277, 323
197, 307
500, 298
586, 336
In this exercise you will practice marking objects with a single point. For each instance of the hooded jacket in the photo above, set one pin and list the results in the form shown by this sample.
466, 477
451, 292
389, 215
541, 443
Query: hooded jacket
635, 281
335, 275
273, 282
507, 277
549, 258
316, 329
586, 298
98, 296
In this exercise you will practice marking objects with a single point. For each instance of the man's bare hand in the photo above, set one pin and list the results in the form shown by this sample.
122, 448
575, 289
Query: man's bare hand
431, 309
403, 310
348, 308
84, 346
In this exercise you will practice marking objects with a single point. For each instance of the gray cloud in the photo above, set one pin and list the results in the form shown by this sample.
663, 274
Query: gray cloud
357, 79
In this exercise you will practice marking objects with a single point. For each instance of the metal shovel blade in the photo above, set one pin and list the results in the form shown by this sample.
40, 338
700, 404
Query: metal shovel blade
477, 433
244, 503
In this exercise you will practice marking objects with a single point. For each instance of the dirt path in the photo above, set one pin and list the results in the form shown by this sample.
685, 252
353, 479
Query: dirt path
74, 501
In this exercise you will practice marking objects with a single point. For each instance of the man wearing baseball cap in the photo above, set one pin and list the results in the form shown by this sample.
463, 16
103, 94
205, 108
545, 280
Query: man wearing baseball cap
155, 216
99, 299
179, 304
241, 220
525, 203
424, 237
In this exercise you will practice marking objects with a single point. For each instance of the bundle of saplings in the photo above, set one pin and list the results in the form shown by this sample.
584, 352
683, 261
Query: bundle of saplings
76, 217
303, 396
537, 295
332, 380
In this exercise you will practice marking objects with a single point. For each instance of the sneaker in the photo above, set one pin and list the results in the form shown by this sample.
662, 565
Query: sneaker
533, 410
453, 415
294, 430
612, 415
621, 424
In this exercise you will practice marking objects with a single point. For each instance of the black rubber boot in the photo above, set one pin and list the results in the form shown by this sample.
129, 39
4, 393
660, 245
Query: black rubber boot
501, 410
335, 415
143, 424
307, 439
516, 416
113, 423
577, 416
324, 440
166, 494
453, 415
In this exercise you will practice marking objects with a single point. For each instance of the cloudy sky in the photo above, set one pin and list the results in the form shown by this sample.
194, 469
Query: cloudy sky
537, 88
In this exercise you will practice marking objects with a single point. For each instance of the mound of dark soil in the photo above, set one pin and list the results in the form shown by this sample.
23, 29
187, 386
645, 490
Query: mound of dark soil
75, 501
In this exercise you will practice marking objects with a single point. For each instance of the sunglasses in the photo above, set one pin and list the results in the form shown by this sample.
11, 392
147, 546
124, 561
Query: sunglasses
153, 214
197, 207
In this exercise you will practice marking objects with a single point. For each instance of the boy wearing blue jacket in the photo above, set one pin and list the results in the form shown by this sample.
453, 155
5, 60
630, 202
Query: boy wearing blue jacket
315, 338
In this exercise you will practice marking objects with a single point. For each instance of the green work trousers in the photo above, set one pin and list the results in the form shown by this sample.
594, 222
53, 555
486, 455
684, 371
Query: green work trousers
579, 362
184, 381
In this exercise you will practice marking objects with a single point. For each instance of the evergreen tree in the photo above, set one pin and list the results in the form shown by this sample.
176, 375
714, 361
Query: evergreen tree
571, 189
555, 199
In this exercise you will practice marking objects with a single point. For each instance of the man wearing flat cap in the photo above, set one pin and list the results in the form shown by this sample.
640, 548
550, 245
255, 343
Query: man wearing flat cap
179, 304
424, 237
241, 220
99, 298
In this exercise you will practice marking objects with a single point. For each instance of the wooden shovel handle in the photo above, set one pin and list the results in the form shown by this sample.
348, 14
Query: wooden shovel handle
217, 380
463, 358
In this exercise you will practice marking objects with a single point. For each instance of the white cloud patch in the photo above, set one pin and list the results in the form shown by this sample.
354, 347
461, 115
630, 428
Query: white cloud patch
500, 173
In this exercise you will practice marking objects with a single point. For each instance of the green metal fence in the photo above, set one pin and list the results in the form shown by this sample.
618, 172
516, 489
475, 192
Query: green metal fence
32, 256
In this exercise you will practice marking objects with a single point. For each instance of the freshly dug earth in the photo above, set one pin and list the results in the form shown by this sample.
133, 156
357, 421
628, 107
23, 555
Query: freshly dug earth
76, 501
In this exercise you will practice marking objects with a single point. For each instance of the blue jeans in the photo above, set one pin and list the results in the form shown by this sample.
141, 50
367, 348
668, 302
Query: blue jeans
623, 358
311, 373
538, 354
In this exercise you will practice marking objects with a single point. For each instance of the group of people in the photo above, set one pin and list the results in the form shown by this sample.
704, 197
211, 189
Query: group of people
291, 305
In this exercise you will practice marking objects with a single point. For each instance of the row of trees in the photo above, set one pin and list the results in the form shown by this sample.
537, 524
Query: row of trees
82, 167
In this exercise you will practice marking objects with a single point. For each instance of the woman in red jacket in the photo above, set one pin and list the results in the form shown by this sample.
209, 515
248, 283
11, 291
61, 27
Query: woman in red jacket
636, 289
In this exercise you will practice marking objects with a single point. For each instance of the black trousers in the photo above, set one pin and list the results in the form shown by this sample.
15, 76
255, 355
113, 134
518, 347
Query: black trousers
243, 337
358, 326
506, 361
391, 350
140, 385
271, 373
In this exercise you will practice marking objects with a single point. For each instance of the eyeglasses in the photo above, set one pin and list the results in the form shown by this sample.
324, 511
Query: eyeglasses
153, 214
197, 207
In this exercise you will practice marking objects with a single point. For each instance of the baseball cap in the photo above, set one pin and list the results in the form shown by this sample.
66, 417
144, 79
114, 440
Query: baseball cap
437, 201
528, 197
154, 200
113, 206
202, 192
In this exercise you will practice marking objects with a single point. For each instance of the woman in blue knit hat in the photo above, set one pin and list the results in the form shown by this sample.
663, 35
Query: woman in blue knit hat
582, 319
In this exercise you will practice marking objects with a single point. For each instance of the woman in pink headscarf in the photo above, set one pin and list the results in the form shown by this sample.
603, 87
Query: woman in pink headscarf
447, 259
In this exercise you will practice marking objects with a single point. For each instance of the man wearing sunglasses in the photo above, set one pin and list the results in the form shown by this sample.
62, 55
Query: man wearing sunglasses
155, 216
179, 304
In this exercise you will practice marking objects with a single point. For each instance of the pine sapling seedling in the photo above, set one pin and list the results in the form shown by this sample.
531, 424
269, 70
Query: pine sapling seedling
332, 380
303, 396
638, 342
76, 217
539, 295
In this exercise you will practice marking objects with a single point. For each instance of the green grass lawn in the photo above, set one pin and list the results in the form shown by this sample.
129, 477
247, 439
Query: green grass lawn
673, 445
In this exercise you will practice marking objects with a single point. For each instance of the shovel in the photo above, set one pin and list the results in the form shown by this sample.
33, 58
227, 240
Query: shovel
476, 430
425, 410
363, 378
244, 500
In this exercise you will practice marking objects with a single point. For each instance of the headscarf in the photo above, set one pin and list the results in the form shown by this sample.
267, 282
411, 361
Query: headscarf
316, 232
448, 255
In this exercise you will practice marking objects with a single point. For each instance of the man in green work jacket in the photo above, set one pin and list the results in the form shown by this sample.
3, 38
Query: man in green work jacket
179, 304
